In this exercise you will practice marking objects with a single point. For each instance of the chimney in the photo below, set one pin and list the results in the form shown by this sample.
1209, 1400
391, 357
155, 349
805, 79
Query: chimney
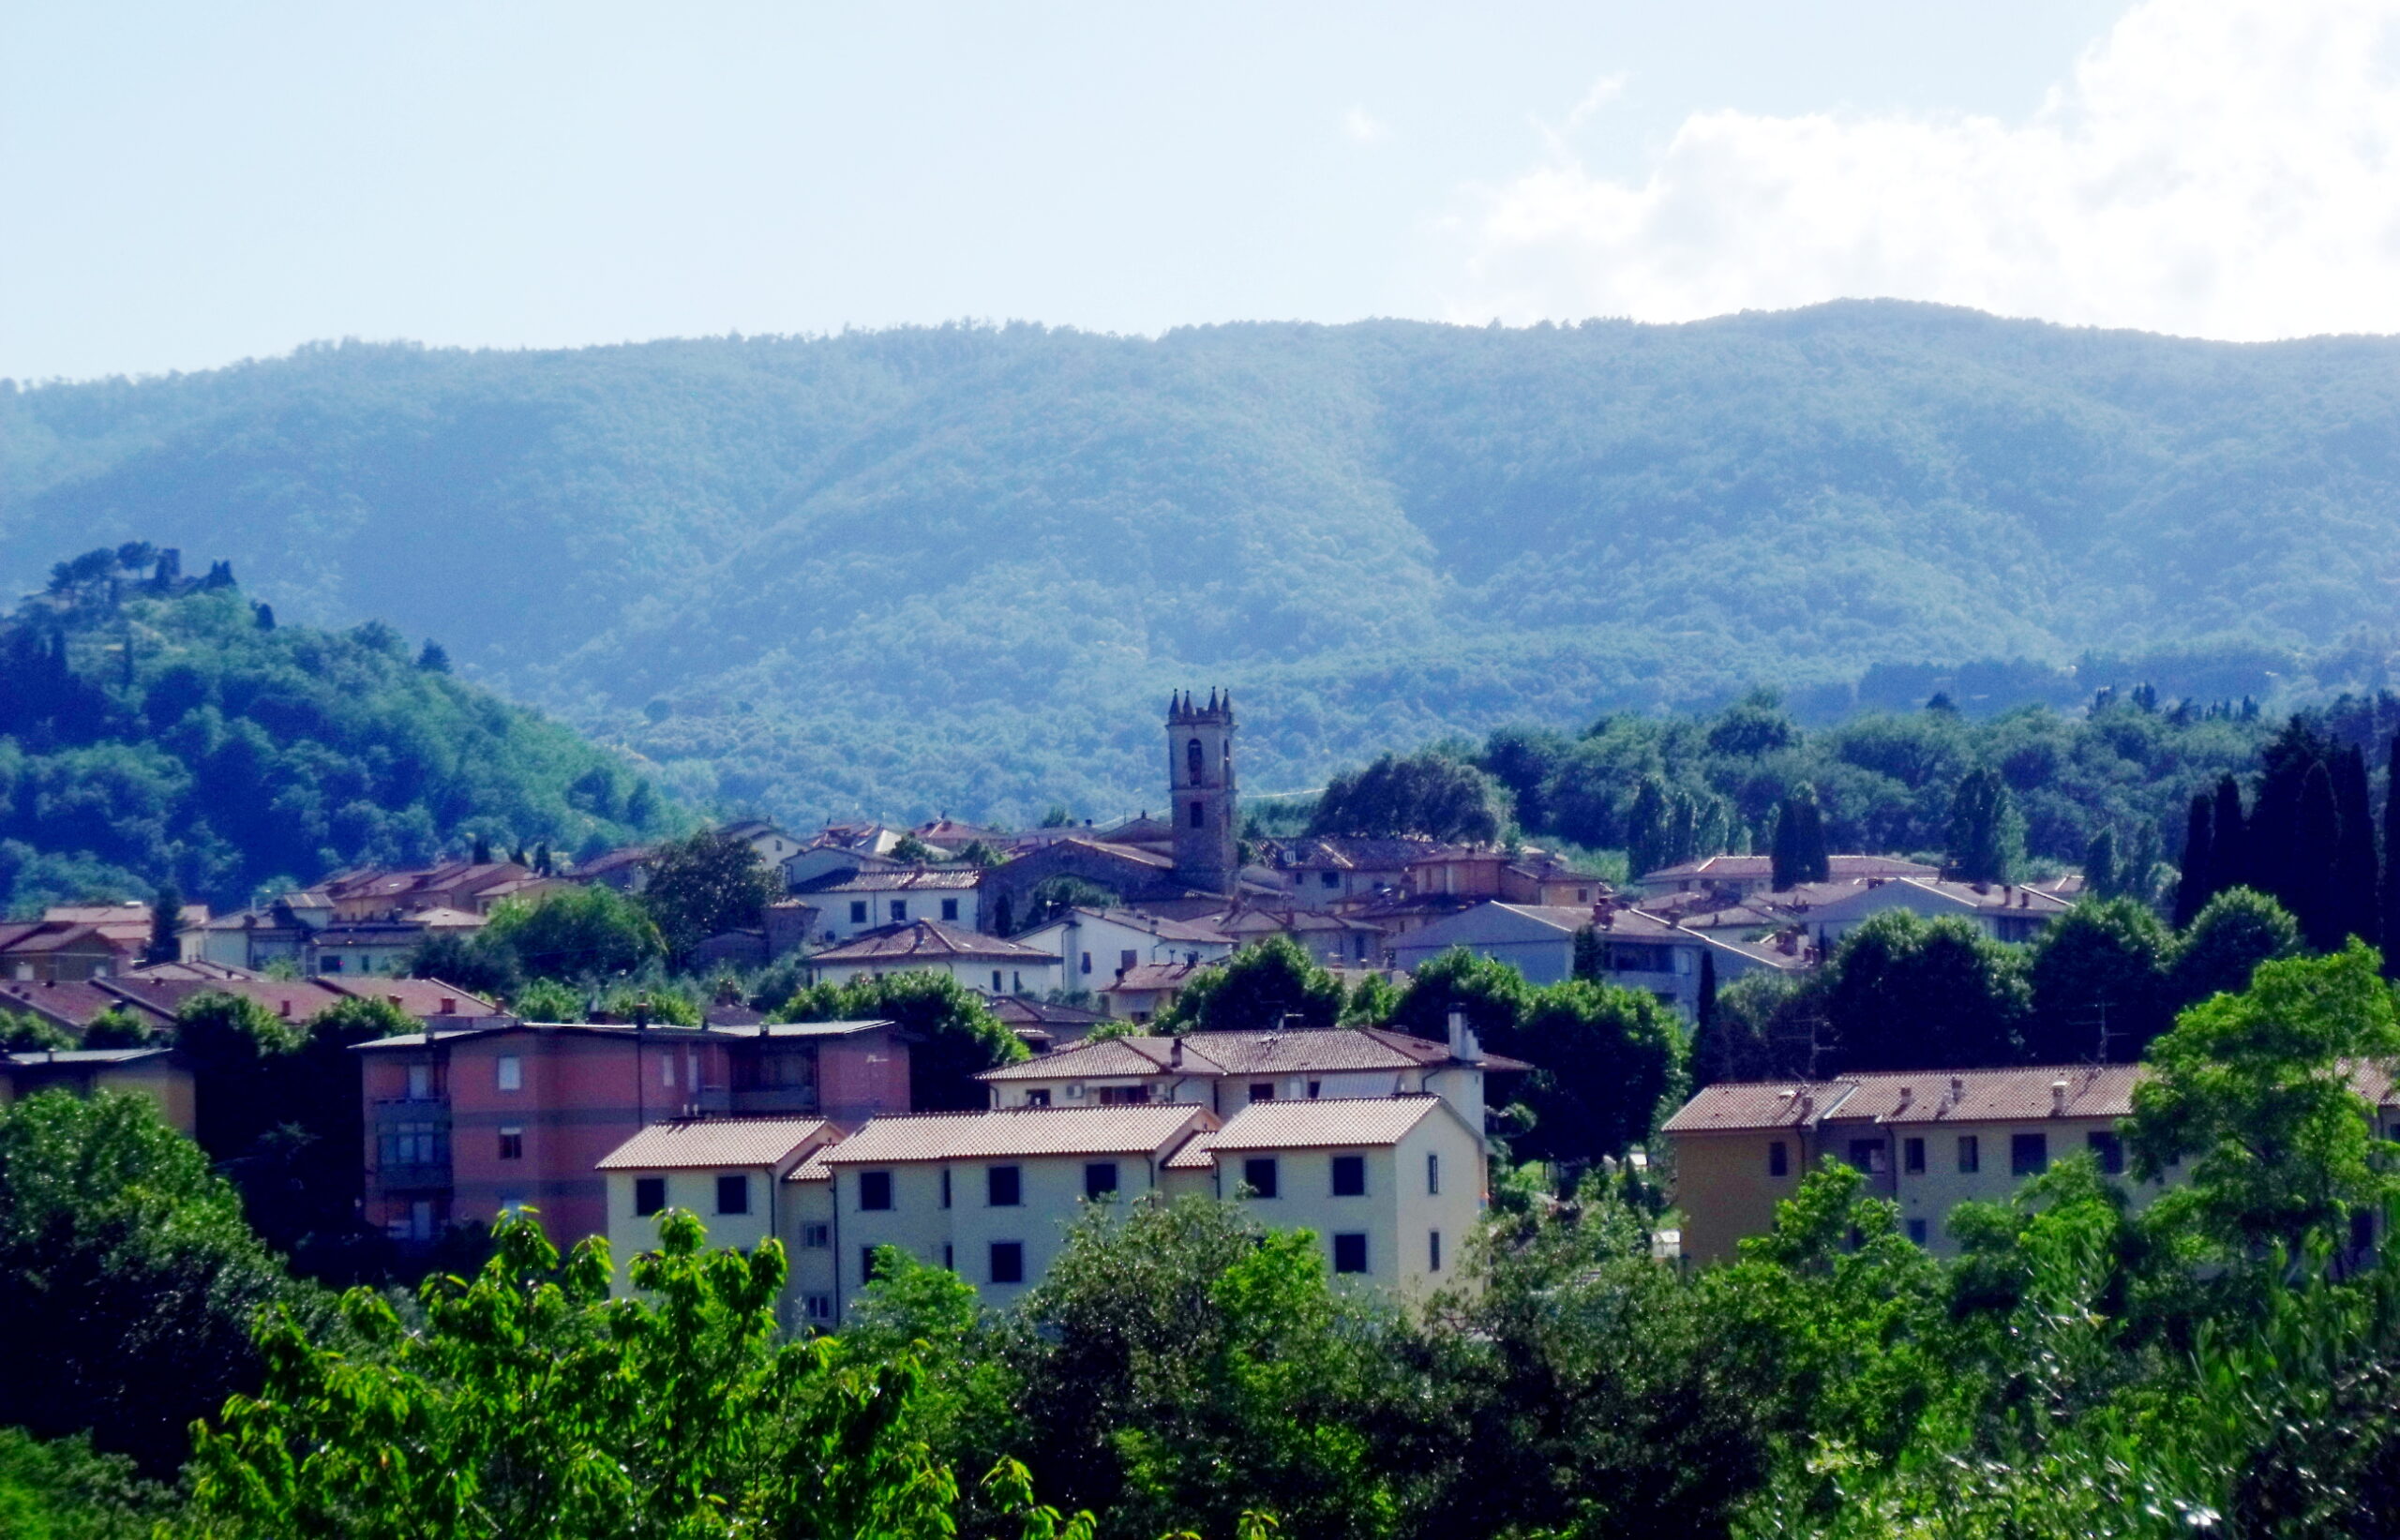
2058, 1097
1463, 1044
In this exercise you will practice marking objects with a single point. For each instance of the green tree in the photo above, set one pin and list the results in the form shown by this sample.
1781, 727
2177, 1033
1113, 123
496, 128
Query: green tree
1605, 1057
1903, 993
2195, 880
2098, 976
1985, 831
23, 1032
1429, 794
1492, 994
705, 884
952, 1034
128, 1278
1798, 854
533, 1405
1649, 828
912, 851
1172, 1346
1270, 984
1372, 1000
1590, 956
2257, 1092
478, 964
166, 921
2239, 929
589, 931
64, 1490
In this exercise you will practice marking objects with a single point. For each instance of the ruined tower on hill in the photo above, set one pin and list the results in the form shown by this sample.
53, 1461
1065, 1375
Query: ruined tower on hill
1200, 778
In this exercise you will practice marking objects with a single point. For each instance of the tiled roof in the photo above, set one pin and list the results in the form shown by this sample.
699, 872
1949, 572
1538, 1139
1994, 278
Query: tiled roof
293, 999
1150, 977
416, 997
814, 1169
189, 967
1018, 1130
55, 936
94, 1057
1349, 853
1323, 1050
632, 855
899, 879
929, 940
719, 1142
69, 1003
2018, 1094
1323, 1123
1762, 868
1196, 1154
1016, 1010
1164, 928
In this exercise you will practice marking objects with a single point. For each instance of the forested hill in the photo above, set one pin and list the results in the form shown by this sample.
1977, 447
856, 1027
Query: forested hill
959, 568
160, 733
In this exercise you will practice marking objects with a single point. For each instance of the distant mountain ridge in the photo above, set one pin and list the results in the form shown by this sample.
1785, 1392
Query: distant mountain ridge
956, 568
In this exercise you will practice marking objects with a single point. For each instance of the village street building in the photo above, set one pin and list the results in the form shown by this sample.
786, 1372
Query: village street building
462, 1126
1738, 876
926, 946
158, 1074
1636, 951
870, 900
1928, 1139
727, 1172
989, 1195
1101, 945
1391, 1187
1226, 1071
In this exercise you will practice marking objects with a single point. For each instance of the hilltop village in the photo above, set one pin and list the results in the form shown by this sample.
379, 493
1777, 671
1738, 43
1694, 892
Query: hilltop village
1369, 1122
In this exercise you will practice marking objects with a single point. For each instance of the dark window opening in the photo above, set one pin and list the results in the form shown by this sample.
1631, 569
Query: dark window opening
649, 1195
1779, 1160
1007, 1261
1003, 1186
1100, 1180
1350, 1252
733, 1194
2109, 1150
1912, 1155
1349, 1176
1258, 1175
874, 1189
2028, 1153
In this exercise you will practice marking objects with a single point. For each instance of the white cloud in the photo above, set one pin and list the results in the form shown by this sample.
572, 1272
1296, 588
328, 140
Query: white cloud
2214, 167
1363, 127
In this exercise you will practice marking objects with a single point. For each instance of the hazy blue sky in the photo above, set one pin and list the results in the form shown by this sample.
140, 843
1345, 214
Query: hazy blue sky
185, 184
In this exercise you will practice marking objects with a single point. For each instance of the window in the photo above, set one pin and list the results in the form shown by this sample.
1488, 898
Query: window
1194, 760
858, 911
512, 1144
1350, 1251
950, 911
420, 1082
667, 1069
899, 910
1258, 1175
1971, 1155
2028, 1153
1329, 879
415, 1145
1263, 1091
1349, 1176
1007, 1261
820, 1307
816, 1237
868, 1272
649, 1195
996, 981
1003, 1186
949, 1258
1087, 962
1432, 1250
1432, 1174
1100, 1180
1124, 1095
1314, 1086
510, 1070
1199, 817
333, 964
1779, 1158
945, 1187
1916, 1231
1912, 1155
1125, 959
2109, 1150
874, 1189
1867, 1154
733, 1193
1038, 1099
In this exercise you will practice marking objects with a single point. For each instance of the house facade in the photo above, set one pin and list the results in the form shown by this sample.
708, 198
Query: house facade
927, 946
1097, 947
870, 900
727, 1172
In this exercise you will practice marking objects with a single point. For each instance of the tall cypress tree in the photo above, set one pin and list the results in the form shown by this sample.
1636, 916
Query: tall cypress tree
2229, 840
1816, 862
1987, 833
2100, 864
2315, 848
2193, 889
2391, 862
2355, 872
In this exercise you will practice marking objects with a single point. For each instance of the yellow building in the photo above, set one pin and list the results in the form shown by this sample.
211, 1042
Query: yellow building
1928, 1139
152, 1072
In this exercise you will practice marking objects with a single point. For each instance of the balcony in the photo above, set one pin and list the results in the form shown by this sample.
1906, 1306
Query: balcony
413, 1176
768, 1099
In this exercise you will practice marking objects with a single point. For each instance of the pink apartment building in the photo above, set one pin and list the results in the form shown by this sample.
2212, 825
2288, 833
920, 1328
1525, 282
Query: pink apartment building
463, 1125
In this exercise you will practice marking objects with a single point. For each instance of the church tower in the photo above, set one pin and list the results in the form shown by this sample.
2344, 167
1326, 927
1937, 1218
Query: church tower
1201, 791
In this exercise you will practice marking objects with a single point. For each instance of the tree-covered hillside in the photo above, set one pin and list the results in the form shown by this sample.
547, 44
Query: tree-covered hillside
184, 738
958, 568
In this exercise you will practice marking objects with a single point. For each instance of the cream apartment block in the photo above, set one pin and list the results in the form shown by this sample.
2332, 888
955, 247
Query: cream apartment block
989, 1195
1928, 1139
728, 1172
1390, 1186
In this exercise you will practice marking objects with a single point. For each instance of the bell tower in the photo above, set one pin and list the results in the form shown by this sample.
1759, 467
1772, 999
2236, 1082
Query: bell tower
1201, 791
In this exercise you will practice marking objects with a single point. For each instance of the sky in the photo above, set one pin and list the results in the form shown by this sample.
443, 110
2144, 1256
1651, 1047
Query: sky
184, 185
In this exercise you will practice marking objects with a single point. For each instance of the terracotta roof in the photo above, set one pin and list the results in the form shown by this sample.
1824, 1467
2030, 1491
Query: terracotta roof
928, 940
189, 967
632, 855
1196, 1154
293, 999
719, 1142
64, 935
1322, 1123
1150, 977
1164, 928
814, 1169
899, 879
1350, 852
96, 1057
2024, 1093
1018, 1130
70, 1003
1016, 1010
416, 997
1757, 868
1324, 1050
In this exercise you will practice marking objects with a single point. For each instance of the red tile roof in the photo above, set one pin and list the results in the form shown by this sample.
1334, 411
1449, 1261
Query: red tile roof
719, 1142
1029, 1131
930, 941
1323, 1123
